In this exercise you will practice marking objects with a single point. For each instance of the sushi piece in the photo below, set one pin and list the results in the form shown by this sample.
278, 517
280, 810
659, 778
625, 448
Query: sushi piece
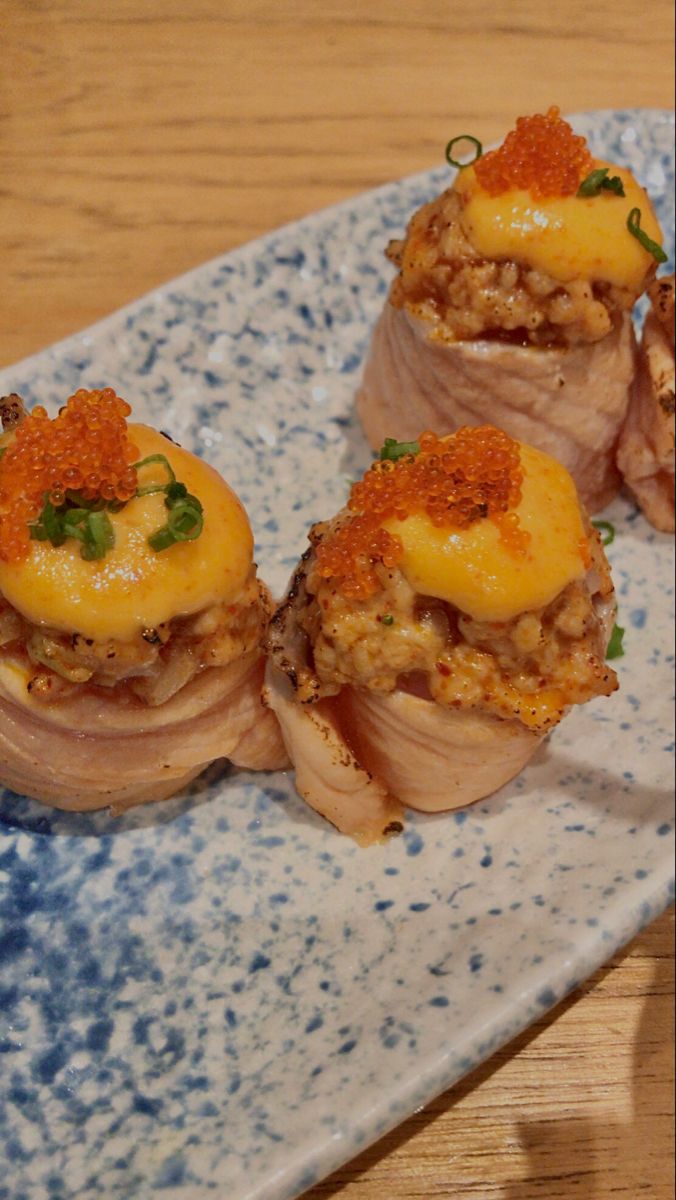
437, 629
646, 450
131, 617
512, 304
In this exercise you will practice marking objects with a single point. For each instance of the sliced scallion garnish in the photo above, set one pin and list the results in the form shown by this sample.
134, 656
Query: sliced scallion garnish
99, 536
186, 519
151, 488
87, 521
394, 450
615, 645
185, 522
463, 137
634, 227
606, 530
598, 181
89, 526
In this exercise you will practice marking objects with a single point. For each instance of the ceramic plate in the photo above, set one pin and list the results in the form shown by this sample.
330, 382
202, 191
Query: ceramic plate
219, 995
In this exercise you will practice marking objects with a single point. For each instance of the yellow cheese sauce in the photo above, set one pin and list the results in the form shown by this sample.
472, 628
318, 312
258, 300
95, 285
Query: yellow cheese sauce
566, 237
477, 573
134, 587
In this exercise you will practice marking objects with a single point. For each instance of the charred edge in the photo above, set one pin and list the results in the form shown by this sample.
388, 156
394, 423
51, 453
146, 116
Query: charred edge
77, 638
667, 402
297, 581
279, 617
287, 669
169, 437
316, 688
393, 829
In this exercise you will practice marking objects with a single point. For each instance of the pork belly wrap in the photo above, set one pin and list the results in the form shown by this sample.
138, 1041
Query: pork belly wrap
646, 451
437, 628
131, 618
512, 304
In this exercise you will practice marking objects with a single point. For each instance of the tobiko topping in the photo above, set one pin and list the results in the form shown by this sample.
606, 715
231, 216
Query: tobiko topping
473, 475
58, 477
85, 449
541, 156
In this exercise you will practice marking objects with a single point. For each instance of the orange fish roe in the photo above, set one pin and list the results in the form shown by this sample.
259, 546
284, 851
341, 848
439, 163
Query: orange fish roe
86, 449
472, 475
541, 156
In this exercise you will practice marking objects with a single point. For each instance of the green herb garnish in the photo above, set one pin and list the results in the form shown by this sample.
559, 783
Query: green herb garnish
151, 488
89, 525
463, 137
634, 227
186, 520
87, 521
388, 619
615, 645
394, 450
607, 530
598, 181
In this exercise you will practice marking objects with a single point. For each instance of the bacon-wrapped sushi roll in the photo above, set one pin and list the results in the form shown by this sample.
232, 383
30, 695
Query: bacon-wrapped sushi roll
512, 304
646, 451
437, 628
131, 618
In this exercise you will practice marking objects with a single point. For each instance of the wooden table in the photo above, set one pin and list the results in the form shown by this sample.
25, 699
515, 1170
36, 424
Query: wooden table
141, 138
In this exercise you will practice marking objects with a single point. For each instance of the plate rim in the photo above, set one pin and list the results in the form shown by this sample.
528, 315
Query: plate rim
437, 1069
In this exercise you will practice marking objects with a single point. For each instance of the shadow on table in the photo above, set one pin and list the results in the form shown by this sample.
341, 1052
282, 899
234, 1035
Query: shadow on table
571, 1159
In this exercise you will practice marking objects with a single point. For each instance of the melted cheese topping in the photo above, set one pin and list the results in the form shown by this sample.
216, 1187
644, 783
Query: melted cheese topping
133, 587
565, 236
477, 573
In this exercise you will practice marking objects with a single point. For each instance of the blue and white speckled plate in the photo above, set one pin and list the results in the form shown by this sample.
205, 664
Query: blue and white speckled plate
219, 995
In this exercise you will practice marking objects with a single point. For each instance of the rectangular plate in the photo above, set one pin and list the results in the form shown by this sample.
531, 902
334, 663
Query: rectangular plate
219, 995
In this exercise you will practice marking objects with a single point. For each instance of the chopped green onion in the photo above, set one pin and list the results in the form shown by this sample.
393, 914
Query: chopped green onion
175, 491
394, 450
598, 181
151, 488
608, 531
76, 498
74, 529
99, 536
634, 227
52, 520
615, 185
463, 137
91, 527
388, 619
615, 645
185, 524
185, 521
87, 521
162, 539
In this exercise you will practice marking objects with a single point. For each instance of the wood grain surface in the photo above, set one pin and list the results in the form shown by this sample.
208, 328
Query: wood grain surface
139, 139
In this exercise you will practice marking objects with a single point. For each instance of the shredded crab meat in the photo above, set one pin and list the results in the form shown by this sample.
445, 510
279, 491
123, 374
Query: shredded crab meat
445, 282
151, 667
530, 669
